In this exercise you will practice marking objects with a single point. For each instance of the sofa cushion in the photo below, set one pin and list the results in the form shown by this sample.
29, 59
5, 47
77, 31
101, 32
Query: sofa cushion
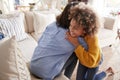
36, 36
61, 77
27, 47
42, 20
29, 21
13, 25
13, 66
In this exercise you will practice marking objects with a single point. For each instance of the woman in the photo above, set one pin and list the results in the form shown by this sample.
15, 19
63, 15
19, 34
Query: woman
54, 53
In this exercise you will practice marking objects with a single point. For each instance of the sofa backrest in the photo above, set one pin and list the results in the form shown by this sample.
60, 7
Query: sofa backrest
39, 19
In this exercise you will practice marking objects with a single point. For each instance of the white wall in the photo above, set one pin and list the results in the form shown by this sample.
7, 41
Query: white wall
7, 5
98, 5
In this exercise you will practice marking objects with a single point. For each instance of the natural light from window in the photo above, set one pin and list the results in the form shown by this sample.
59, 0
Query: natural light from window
112, 6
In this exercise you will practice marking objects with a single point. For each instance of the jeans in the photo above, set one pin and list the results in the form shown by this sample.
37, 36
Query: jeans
85, 73
70, 65
100, 76
91, 75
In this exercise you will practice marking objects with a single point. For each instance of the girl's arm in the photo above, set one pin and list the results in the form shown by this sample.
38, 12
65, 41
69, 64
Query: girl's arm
89, 58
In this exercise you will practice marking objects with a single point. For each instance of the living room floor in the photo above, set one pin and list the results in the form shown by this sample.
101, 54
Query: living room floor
115, 61
112, 60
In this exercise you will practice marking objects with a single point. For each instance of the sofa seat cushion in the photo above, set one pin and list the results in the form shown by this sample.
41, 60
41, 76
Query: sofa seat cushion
60, 77
27, 47
106, 37
36, 36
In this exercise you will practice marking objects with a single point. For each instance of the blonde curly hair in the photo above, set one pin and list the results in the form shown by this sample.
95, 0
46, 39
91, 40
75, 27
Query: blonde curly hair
86, 17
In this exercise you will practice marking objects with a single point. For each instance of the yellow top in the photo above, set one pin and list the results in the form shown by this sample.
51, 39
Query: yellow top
90, 58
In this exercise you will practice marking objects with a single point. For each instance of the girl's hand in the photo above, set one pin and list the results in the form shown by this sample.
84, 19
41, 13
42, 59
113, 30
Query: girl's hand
73, 40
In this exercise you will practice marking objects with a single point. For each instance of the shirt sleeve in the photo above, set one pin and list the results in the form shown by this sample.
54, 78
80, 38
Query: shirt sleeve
91, 57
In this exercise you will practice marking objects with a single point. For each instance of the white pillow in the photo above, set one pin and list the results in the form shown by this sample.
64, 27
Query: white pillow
41, 20
13, 25
12, 64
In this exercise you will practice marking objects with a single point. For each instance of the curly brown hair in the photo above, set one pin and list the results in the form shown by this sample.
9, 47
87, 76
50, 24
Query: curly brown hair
86, 17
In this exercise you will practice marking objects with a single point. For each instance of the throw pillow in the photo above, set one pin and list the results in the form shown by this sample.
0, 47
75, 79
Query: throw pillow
41, 20
13, 25
12, 65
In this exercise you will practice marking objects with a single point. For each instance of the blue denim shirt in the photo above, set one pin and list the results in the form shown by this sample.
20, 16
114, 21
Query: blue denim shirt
52, 52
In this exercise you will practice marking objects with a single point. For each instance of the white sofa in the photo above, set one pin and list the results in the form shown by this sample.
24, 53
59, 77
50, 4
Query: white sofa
27, 46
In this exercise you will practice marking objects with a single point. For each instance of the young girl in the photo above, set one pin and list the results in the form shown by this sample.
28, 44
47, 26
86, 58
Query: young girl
85, 23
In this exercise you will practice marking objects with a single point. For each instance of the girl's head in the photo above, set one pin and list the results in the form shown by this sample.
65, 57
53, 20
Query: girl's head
84, 21
63, 19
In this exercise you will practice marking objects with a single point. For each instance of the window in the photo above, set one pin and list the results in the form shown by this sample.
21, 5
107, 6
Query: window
112, 7
113, 3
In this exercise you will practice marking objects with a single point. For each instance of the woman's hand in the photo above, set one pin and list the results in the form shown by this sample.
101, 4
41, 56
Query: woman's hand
73, 40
